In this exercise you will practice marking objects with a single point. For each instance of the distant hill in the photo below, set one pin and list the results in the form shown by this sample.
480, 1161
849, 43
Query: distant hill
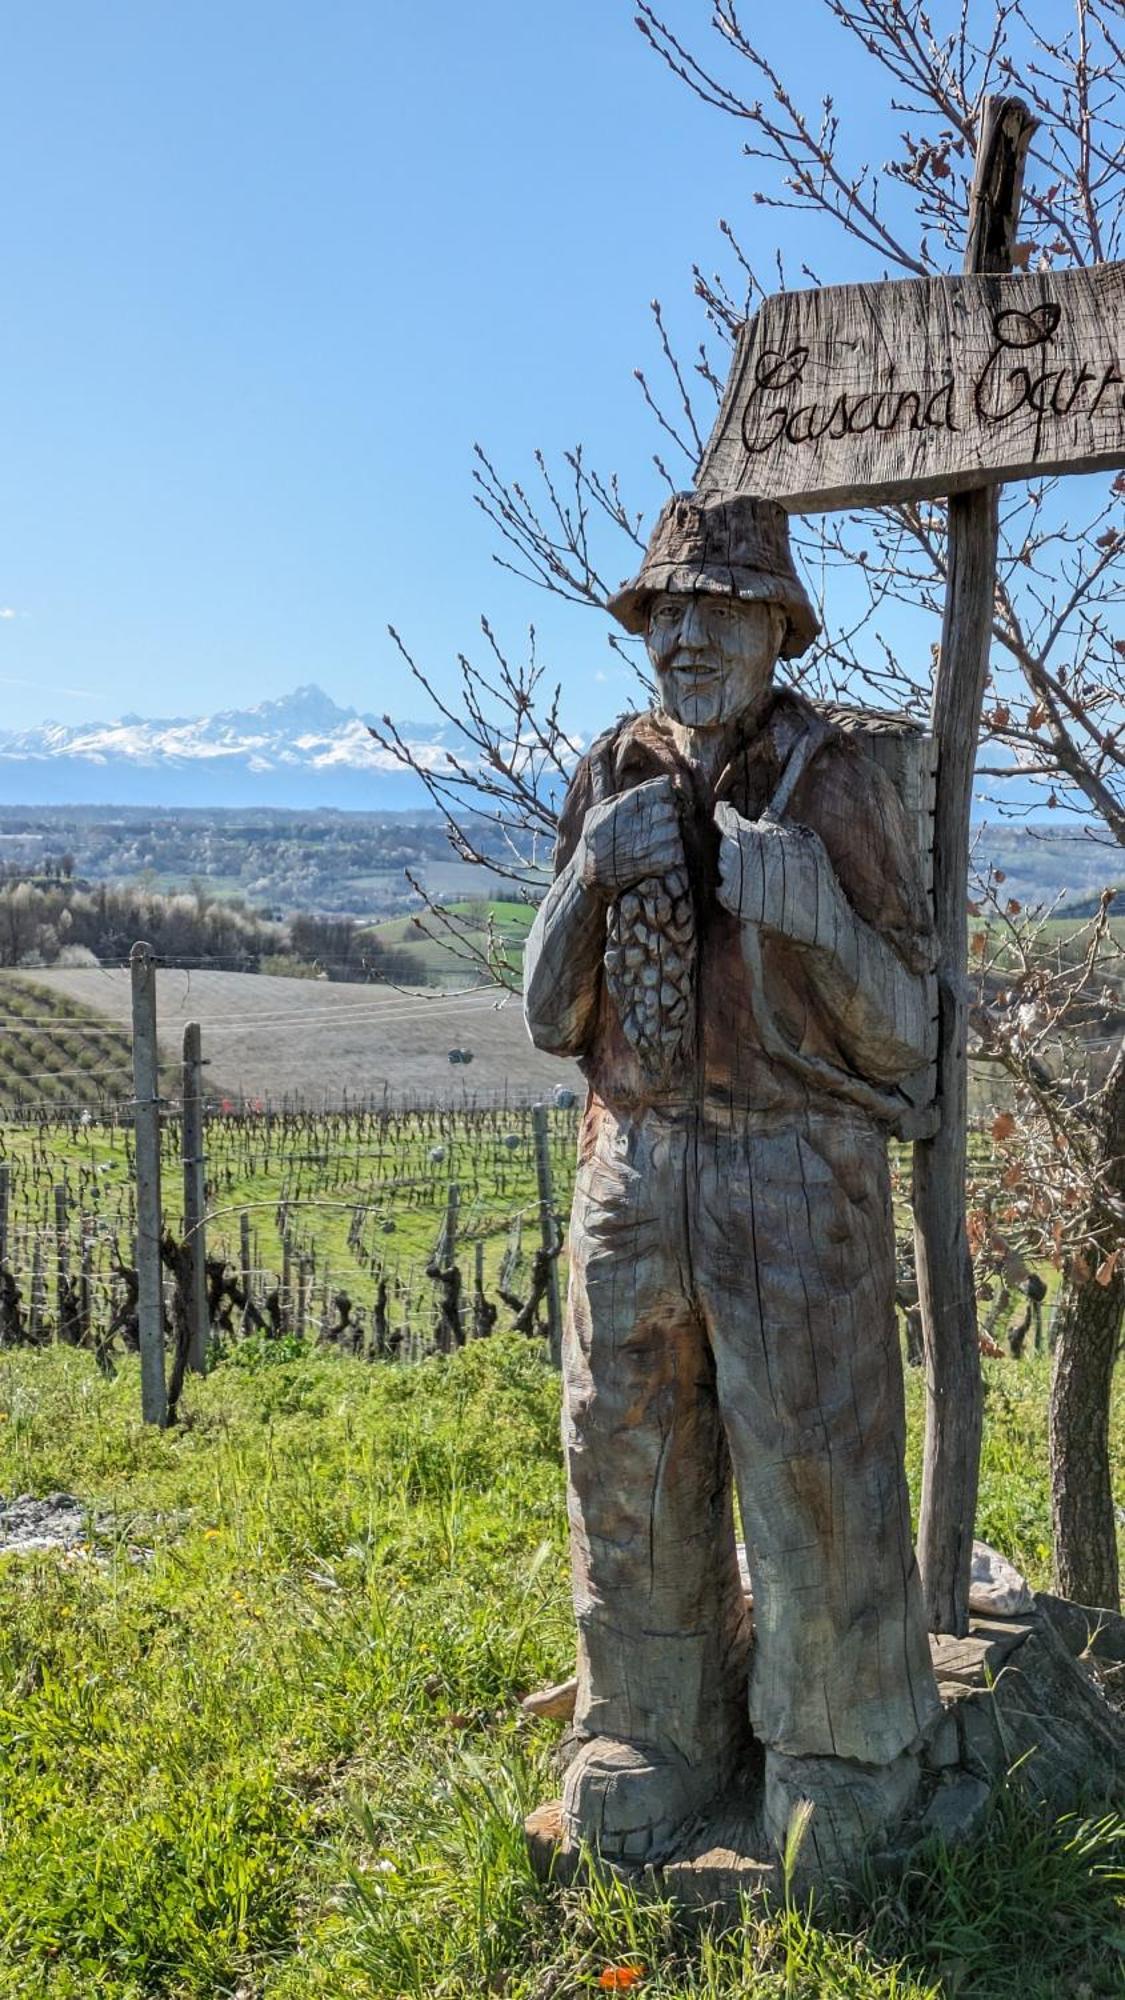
319, 1045
299, 751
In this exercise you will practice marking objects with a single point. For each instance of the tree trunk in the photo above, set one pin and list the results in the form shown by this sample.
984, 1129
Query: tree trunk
1088, 1326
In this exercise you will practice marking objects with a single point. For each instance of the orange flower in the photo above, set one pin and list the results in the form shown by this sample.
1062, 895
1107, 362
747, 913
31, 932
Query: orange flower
621, 1978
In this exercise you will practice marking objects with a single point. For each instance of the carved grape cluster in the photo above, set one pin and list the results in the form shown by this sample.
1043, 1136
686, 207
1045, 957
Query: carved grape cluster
649, 966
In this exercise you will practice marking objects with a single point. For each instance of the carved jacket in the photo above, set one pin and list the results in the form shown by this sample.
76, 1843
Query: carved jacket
845, 798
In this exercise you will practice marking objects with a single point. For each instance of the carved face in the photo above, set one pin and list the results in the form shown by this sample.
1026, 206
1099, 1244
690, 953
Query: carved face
713, 657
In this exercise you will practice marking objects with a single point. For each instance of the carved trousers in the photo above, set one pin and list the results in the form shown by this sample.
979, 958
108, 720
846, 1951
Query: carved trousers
731, 1310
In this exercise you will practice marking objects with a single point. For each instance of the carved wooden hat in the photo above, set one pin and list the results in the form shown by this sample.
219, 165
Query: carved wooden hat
732, 548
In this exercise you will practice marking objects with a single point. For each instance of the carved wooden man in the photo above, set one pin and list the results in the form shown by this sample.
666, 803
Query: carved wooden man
734, 947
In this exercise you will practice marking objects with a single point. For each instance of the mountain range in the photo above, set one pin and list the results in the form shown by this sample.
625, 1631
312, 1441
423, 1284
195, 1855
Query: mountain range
297, 752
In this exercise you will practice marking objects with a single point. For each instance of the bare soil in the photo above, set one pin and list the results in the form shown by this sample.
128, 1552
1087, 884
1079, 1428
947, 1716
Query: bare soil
315, 1042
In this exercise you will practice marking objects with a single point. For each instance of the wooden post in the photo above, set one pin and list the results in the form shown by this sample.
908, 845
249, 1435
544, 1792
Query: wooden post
5, 1195
85, 1277
195, 1198
548, 1230
62, 1261
35, 1310
449, 1233
954, 1395
246, 1264
146, 1143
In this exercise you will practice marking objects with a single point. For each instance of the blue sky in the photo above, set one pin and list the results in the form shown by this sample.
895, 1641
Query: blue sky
270, 270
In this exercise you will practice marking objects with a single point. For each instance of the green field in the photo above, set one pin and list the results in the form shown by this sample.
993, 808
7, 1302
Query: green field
475, 927
259, 1735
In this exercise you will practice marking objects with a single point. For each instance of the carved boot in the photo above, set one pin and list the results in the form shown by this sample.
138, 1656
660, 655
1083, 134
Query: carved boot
853, 1805
628, 1802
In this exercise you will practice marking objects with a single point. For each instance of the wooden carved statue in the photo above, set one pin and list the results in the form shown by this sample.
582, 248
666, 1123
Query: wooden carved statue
735, 947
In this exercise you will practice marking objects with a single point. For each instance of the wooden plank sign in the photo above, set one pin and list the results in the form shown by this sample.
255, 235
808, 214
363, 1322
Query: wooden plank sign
855, 394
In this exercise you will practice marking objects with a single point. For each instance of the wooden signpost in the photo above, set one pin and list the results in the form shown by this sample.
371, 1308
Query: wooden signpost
858, 394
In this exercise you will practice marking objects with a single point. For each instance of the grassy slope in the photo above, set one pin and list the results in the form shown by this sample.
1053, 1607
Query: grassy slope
318, 1041
280, 1759
422, 938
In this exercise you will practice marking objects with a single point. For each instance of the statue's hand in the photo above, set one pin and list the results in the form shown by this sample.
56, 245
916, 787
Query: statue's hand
631, 836
772, 875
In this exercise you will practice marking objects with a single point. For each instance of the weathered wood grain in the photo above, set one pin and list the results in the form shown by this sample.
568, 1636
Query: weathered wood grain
946, 1286
855, 394
738, 948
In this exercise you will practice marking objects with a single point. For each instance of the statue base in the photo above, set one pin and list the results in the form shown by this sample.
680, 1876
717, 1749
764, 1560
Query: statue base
1036, 1701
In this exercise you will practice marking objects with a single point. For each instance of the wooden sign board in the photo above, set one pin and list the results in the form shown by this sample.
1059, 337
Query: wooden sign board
856, 394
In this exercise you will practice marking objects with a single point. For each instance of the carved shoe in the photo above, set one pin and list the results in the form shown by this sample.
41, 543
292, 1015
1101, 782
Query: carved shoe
853, 1805
627, 1802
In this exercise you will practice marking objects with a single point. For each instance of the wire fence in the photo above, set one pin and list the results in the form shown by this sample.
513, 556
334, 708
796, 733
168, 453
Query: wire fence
389, 1231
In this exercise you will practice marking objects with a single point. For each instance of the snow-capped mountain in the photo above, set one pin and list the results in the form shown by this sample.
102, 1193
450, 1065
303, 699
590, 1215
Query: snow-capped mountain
299, 751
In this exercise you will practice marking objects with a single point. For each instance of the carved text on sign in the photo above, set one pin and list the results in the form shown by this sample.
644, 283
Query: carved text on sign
930, 386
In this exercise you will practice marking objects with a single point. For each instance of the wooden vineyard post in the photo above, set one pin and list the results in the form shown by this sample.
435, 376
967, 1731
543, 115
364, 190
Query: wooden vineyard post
945, 1273
146, 1145
62, 1264
195, 1198
246, 1266
5, 1191
548, 1230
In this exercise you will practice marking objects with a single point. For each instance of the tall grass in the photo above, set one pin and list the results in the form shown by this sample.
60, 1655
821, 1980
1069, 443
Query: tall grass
259, 1736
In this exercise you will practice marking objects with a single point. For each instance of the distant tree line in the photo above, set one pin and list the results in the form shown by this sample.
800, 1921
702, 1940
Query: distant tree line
58, 922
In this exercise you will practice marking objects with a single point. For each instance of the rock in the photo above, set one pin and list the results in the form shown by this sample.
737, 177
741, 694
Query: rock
28, 1526
956, 1810
996, 1588
1084, 1628
982, 1746
556, 1703
943, 1745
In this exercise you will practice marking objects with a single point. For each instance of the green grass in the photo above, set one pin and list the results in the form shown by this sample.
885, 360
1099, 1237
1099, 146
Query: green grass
434, 955
279, 1756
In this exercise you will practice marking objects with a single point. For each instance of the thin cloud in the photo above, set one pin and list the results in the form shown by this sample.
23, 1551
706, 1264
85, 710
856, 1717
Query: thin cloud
8, 611
76, 694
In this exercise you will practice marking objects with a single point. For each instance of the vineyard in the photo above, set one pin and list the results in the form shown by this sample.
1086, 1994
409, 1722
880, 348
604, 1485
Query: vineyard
387, 1232
304, 1043
56, 1052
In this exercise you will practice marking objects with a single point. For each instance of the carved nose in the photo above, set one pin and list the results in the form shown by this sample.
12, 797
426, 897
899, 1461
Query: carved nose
693, 629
